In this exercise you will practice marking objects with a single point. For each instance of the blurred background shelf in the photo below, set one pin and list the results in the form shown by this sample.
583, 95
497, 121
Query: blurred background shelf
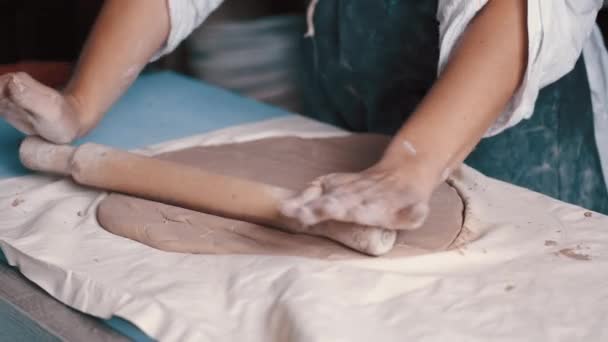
249, 47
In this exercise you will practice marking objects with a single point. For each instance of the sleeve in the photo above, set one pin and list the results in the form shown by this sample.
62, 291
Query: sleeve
185, 16
557, 31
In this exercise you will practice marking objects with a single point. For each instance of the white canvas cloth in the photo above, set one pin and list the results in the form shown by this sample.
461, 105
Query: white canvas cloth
510, 284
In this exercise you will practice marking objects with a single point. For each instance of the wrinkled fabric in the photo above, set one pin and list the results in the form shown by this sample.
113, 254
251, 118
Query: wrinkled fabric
527, 268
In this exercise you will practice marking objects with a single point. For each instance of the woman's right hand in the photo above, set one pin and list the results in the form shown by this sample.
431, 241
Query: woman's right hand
36, 109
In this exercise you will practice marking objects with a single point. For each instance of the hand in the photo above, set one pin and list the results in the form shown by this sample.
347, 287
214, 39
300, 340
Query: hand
383, 196
36, 109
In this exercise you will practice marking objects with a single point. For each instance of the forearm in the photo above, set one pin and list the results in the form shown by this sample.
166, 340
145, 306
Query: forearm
125, 36
481, 77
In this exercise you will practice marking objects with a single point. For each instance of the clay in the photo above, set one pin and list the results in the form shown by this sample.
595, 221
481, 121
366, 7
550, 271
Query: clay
286, 162
572, 253
17, 202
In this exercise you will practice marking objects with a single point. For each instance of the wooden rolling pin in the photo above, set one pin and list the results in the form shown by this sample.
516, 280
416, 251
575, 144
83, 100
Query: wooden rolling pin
177, 184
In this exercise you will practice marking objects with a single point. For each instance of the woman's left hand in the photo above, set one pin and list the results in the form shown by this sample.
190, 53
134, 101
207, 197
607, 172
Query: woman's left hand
388, 196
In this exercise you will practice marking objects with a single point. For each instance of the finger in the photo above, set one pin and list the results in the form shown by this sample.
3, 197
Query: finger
333, 207
412, 217
305, 216
374, 213
368, 240
3, 84
31, 95
290, 207
308, 208
16, 116
322, 209
21, 125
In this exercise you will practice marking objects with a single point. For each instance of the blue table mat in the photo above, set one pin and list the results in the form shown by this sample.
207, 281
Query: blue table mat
158, 107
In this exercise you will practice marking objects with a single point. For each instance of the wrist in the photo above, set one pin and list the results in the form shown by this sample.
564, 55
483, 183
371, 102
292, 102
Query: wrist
414, 172
80, 113
424, 170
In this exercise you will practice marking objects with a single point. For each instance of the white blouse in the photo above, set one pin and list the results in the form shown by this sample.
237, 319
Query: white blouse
558, 32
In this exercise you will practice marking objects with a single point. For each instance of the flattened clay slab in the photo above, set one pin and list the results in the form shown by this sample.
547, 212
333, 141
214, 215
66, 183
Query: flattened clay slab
287, 162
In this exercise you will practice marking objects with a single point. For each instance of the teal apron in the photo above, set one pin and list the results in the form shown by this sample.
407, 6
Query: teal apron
369, 63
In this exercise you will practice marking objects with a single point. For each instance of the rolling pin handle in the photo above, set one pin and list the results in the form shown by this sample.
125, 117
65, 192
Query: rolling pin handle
38, 154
